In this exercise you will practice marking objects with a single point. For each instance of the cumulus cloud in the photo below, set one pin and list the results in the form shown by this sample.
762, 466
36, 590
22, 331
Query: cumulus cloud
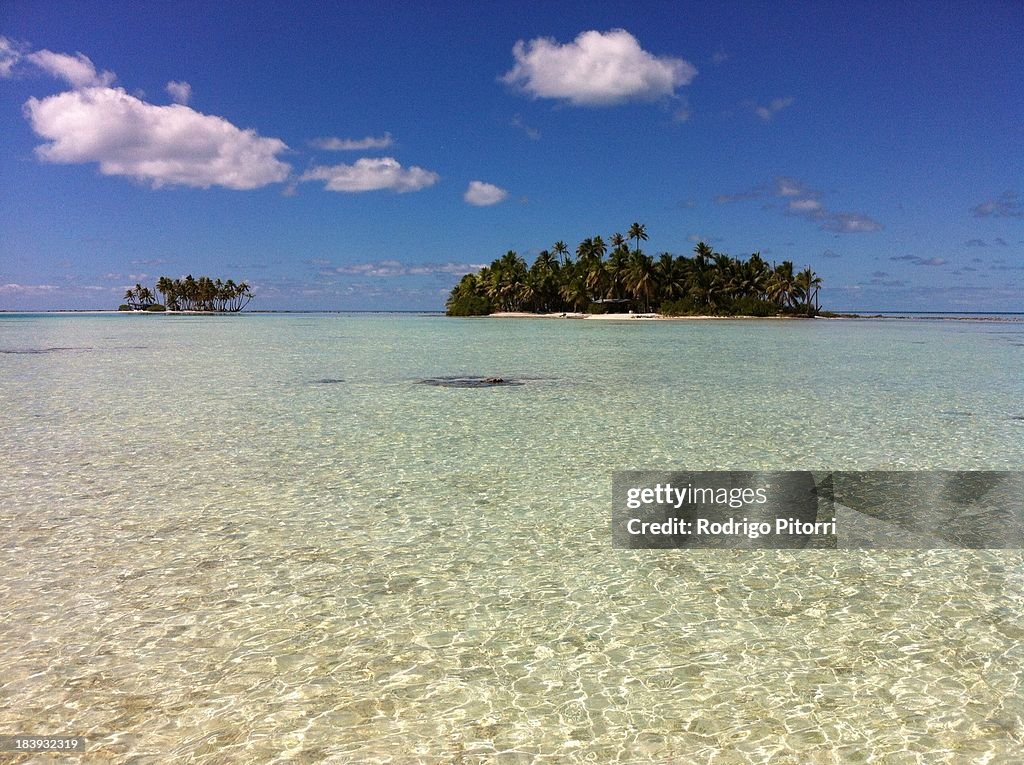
180, 92
162, 145
77, 70
480, 194
353, 144
596, 69
1006, 205
776, 105
371, 174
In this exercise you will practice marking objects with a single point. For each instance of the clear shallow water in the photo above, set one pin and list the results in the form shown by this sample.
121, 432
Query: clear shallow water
211, 556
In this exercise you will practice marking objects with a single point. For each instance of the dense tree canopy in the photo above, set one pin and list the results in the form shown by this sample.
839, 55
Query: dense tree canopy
624, 279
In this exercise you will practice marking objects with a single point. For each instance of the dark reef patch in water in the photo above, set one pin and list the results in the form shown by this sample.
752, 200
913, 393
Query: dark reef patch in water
40, 350
328, 381
468, 382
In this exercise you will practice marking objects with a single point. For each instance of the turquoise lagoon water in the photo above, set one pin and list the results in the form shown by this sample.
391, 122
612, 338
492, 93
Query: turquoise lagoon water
211, 555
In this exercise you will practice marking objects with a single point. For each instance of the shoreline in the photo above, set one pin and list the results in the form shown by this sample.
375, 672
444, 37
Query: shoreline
1011, 318
998, 317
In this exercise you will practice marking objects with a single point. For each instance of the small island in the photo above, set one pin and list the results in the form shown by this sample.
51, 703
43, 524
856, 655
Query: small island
629, 281
204, 295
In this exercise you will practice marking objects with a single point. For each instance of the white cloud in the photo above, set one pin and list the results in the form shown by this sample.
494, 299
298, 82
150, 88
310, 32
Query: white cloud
596, 69
350, 144
804, 202
77, 70
777, 105
790, 187
27, 289
386, 268
180, 92
917, 260
531, 132
1007, 205
371, 174
804, 205
10, 54
851, 223
480, 194
164, 145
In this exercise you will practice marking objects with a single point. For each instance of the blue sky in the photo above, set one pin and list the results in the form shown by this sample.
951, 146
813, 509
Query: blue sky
364, 156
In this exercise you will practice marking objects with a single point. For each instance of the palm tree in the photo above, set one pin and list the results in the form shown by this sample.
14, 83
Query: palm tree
637, 231
543, 272
671, 277
713, 282
561, 251
757, 275
595, 277
808, 283
245, 296
575, 293
641, 279
704, 254
617, 267
781, 284
165, 287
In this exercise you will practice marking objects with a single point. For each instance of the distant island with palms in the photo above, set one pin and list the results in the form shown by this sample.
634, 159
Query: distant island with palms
189, 294
629, 281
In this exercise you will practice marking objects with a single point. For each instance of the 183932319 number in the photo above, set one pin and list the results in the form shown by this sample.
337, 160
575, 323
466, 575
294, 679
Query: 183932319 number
29, 743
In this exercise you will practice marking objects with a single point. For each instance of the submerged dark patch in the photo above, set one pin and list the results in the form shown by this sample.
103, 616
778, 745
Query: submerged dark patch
328, 381
40, 350
468, 382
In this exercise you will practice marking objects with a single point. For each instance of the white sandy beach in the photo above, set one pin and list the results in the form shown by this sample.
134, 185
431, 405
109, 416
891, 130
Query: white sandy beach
622, 316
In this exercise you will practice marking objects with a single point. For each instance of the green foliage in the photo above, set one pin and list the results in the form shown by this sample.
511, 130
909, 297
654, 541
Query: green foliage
124, 307
752, 306
190, 294
709, 283
468, 305
681, 307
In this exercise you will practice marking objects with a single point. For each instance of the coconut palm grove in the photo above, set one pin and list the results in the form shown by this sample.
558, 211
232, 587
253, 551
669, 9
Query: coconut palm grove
189, 294
709, 283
